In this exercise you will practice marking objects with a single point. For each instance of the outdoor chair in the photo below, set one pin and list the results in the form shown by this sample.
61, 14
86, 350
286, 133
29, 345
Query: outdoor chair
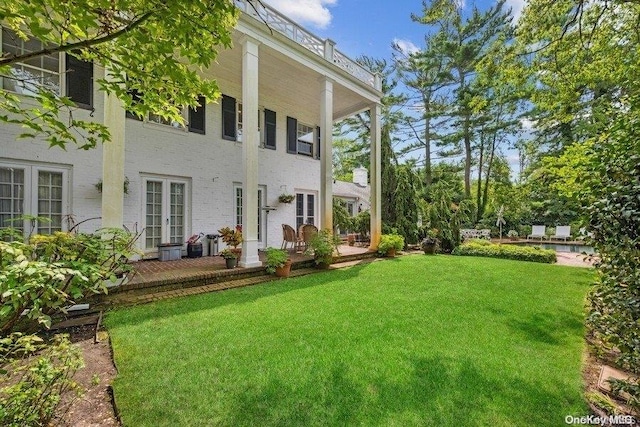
537, 231
562, 232
289, 236
306, 233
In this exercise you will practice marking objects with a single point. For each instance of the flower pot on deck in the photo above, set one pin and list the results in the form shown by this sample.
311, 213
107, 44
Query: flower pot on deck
285, 270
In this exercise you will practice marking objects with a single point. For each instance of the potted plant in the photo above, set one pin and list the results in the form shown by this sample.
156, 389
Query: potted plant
512, 234
322, 246
233, 238
278, 262
286, 198
230, 257
390, 244
430, 242
351, 239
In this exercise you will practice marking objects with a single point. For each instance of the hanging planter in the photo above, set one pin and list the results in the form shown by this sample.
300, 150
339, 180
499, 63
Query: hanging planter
125, 188
286, 198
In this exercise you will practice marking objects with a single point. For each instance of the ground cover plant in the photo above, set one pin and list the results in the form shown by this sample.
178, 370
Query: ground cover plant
442, 341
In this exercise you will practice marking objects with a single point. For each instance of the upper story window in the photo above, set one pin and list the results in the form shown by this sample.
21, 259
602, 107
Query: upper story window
302, 138
45, 71
30, 75
232, 123
194, 117
305, 139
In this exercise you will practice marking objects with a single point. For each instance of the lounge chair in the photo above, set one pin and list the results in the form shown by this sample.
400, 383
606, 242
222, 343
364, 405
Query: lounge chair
562, 232
537, 231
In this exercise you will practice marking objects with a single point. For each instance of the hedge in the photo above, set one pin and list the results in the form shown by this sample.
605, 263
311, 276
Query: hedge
492, 250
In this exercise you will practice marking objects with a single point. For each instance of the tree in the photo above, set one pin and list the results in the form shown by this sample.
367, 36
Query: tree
467, 41
154, 52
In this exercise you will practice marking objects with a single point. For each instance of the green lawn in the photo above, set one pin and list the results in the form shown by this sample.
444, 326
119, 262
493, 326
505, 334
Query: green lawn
418, 340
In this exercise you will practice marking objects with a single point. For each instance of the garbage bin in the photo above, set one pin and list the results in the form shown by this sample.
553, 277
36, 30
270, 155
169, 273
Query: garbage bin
212, 244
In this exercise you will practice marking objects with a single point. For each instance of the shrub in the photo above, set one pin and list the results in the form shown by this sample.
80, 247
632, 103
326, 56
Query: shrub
275, 258
54, 271
34, 376
492, 250
322, 246
389, 242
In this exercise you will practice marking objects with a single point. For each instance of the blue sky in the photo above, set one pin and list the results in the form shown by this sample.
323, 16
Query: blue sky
367, 27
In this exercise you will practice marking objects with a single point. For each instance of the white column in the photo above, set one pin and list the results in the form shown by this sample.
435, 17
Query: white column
113, 162
326, 148
250, 142
376, 178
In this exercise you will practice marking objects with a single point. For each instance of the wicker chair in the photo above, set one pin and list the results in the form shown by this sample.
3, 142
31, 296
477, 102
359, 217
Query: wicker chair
306, 233
289, 236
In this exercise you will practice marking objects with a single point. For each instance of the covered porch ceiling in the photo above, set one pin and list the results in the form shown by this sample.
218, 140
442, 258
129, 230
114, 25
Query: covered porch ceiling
290, 82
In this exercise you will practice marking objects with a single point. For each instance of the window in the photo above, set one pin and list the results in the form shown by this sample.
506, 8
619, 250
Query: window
232, 125
196, 117
44, 71
36, 190
302, 138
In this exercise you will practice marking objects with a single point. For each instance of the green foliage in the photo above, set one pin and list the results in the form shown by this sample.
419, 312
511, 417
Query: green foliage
53, 271
447, 216
341, 218
34, 376
362, 223
522, 253
615, 224
228, 253
322, 246
389, 242
275, 258
157, 48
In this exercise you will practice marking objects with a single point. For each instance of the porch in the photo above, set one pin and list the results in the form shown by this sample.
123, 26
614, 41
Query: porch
155, 280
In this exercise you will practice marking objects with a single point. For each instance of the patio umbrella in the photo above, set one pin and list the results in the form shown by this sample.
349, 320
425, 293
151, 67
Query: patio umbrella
500, 221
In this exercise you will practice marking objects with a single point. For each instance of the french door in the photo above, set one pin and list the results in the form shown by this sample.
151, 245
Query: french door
38, 191
305, 209
262, 220
166, 211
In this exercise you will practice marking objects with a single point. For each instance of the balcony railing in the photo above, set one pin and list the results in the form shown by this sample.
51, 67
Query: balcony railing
322, 48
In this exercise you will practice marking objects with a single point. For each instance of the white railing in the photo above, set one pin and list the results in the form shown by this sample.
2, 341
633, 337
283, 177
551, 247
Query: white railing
322, 48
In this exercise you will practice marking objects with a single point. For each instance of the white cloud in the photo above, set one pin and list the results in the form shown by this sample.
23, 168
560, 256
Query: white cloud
406, 46
516, 8
306, 12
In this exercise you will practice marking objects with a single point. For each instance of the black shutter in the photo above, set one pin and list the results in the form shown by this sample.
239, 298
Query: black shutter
292, 135
318, 142
228, 118
79, 81
270, 129
135, 96
196, 117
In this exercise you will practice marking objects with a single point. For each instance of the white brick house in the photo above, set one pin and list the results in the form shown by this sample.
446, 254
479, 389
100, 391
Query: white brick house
269, 134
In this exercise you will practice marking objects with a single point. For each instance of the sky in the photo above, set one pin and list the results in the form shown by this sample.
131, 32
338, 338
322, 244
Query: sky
370, 27
367, 27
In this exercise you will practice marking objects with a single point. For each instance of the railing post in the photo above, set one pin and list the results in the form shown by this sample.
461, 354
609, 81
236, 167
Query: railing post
329, 46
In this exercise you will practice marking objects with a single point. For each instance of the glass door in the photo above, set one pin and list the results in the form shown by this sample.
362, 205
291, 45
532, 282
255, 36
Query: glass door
165, 211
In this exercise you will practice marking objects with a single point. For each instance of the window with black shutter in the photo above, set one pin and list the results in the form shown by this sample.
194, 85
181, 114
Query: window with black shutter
292, 135
196, 117
317, 142
79, 81
228, 118
135, 95
270, 129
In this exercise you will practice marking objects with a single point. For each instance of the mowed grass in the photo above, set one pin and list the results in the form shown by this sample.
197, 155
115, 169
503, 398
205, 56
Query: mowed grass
418, 340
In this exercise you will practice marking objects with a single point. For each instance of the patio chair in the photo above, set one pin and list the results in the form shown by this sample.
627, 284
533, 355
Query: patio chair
537, 231
562, 232
289, 236
306, 233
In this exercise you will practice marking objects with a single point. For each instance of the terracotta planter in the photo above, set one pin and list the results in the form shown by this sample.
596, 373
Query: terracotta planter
285, 270
391, 253
231, 262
